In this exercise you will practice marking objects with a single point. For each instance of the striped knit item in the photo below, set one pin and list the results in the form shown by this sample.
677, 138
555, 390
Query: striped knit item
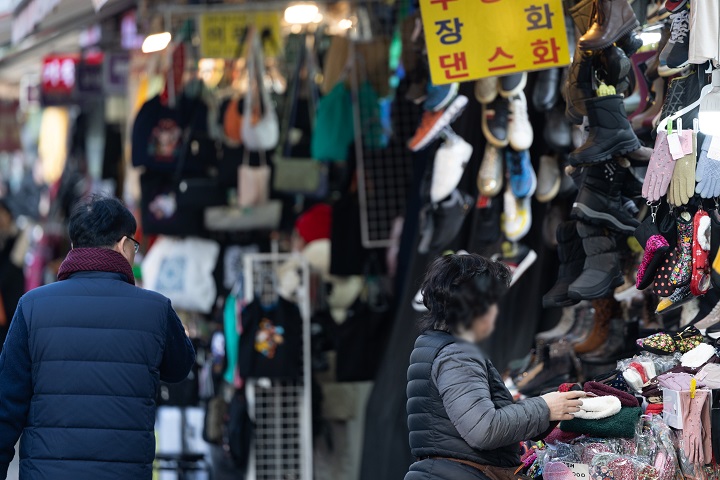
95, 260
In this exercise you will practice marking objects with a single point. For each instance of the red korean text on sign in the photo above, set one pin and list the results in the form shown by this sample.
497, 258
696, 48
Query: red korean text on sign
498, 58
443, 2
455, 65
539, 17
545, 51
449, 31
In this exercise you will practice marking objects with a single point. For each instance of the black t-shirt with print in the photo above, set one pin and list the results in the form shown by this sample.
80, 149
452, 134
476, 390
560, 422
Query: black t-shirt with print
271, 341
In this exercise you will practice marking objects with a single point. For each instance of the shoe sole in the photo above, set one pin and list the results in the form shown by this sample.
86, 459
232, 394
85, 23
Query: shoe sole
551, 194
627, 28
600, 293
523, 266
622, 149
451, 113
592, 217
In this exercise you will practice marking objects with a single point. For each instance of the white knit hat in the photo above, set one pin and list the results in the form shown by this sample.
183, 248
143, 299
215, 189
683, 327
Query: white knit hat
595, 408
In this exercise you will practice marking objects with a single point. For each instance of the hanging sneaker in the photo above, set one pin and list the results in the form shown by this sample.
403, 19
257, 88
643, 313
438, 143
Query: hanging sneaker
490, 176
495, 122
523, 181
511, 85
517, 257
486, 89
675, 54
448, 167
519, 131
548, 179
433, 123
440, 96
674, 6
516, 217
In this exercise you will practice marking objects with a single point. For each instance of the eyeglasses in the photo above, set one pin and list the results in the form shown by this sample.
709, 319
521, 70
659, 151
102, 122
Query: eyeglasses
137, 244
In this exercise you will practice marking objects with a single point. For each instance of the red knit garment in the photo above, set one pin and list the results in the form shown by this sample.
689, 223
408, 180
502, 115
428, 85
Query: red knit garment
95, 260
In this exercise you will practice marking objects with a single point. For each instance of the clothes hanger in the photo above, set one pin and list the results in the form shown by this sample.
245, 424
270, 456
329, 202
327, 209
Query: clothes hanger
705, 90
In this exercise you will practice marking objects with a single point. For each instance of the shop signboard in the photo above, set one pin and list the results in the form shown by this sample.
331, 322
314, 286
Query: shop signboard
59, 73
221, 33
116, 69
471, 39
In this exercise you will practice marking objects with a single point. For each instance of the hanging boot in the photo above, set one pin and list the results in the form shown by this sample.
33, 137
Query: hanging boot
613, 67
606, 309
560, 367
534, 368
572, 259
584, 314
614, 20
563, 327
578, 87
620, 343
582, 14
610, 132
601, 271
599, 201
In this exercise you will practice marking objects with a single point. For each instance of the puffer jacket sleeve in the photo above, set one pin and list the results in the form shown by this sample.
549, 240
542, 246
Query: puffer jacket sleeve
461, 376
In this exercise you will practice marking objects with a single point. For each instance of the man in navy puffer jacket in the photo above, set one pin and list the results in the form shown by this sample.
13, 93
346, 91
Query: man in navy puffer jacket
83, 358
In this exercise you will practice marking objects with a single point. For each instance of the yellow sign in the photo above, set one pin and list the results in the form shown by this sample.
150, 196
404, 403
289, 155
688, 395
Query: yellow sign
470, 39
221, 33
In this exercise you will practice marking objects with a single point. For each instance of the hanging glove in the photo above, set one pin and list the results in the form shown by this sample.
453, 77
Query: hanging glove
660, 170
682, 184
708, 172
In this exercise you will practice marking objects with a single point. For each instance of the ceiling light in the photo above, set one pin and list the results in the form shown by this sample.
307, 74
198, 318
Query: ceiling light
156, 42
301, 14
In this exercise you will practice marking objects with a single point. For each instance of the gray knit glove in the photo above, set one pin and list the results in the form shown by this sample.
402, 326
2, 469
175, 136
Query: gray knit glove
707, 173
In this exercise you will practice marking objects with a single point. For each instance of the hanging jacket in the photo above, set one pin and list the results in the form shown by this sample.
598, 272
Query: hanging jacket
458, 407
79, 374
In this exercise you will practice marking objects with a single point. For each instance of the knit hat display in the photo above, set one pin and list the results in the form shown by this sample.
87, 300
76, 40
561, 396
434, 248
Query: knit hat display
633, 378
558, 436
595, 408
698, 356
600, 389
621, 425
557, 471
314, 224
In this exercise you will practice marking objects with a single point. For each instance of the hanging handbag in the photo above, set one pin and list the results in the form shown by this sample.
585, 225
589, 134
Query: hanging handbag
299, 176
262, 134
253, 181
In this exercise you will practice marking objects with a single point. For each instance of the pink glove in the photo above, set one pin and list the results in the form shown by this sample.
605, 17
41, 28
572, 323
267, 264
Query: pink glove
660, 170
692, 433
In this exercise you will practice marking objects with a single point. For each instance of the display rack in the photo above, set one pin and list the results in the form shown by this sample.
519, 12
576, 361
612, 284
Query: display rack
281, 409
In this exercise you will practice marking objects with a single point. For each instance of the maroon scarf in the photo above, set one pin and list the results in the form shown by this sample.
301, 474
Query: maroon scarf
95, 260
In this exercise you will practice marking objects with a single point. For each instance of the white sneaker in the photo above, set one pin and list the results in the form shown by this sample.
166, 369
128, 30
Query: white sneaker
520, 132
448, 167
516, 217
486, 89
490, 176
548, 179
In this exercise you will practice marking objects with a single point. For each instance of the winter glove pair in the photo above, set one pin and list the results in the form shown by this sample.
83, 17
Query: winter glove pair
697, 443
682, 184
708, 172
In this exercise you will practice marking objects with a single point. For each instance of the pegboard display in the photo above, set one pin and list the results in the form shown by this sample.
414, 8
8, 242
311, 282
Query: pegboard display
281, 409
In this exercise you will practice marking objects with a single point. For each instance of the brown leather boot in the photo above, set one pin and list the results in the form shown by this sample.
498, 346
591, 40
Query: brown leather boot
605, 310
582, 15
615, 19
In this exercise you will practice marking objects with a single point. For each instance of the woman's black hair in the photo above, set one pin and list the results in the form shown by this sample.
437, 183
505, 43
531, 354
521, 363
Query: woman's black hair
99, 221
460, 288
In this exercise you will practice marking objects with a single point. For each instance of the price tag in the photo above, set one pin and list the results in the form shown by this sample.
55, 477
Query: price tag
579, 470
714, 150
675, 147
686, 140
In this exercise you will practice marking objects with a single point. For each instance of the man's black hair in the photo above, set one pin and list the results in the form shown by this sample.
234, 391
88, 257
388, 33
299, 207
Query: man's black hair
99, 221
460, 288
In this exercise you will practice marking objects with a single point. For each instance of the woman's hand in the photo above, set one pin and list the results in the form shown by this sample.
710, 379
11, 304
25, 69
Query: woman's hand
563, 405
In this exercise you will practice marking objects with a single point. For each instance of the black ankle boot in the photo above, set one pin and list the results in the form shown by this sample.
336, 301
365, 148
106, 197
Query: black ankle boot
560, 367
579, 87
601, 271
610, 132
572, 259
599, 201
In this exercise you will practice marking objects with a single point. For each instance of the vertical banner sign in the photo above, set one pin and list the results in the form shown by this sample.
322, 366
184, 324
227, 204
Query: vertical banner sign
471, 39
221, 33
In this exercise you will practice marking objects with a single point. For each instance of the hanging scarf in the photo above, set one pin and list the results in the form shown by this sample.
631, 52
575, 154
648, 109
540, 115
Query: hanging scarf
95, 260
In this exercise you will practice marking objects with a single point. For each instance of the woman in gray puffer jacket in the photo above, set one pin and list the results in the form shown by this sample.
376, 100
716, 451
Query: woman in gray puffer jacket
462, 420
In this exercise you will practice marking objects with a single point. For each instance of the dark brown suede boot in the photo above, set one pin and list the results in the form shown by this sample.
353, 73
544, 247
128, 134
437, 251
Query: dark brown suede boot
605, 310
615, 19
